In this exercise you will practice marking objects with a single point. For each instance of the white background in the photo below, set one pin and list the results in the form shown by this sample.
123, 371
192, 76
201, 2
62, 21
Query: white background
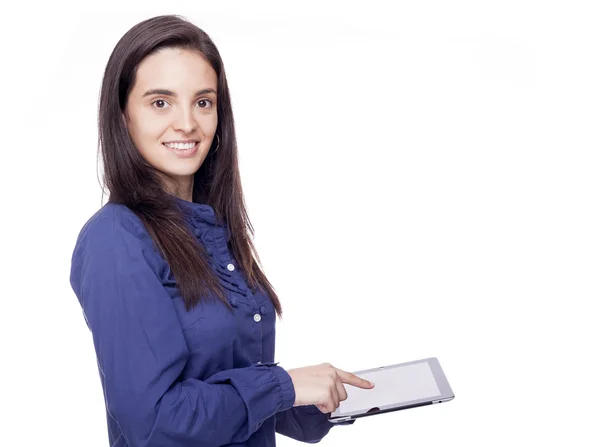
422, 178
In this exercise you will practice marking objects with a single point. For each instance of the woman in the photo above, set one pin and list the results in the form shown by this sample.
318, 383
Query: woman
182, 317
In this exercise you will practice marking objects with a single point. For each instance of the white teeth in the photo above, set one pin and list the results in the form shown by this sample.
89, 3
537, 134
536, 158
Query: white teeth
180, 146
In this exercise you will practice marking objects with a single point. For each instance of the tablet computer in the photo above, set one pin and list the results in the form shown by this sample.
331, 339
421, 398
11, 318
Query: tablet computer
397, 387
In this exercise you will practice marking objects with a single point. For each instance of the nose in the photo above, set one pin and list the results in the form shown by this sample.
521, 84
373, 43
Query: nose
185, 121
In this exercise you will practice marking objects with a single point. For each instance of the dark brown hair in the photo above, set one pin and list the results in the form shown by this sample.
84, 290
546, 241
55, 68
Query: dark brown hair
134, 183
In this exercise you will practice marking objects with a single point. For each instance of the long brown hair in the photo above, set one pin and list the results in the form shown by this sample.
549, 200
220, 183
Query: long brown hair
134, 183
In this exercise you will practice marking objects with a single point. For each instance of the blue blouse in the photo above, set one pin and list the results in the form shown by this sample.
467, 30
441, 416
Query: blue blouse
206, 377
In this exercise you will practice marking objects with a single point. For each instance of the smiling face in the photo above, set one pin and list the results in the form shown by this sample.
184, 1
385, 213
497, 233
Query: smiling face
171, 115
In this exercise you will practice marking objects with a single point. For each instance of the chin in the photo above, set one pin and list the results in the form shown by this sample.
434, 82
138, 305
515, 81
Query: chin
182, 172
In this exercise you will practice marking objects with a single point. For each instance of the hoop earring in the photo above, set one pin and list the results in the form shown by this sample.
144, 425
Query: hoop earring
218, 142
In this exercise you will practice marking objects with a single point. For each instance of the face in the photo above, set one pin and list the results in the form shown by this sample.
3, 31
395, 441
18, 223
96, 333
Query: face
171, 114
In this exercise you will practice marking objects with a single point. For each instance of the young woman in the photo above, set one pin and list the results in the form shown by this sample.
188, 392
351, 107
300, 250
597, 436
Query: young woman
182, 316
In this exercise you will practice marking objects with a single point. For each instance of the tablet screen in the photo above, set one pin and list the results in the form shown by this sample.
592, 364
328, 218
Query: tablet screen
392, 386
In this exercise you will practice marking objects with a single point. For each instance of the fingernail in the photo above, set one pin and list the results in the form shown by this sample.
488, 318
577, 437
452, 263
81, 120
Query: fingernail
372, 384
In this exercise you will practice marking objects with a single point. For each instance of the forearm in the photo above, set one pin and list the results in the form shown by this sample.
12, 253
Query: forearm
303, 423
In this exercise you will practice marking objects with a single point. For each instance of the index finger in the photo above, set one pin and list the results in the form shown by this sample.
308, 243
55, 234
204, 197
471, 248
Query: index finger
353, 379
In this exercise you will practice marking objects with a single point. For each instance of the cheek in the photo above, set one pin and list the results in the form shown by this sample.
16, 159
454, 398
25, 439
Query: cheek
208, 123
146, 145
149, 131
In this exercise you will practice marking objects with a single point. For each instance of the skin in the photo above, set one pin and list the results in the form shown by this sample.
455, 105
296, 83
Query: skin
184, 115
323, 386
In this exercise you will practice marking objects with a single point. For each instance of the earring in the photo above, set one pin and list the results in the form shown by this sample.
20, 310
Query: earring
218, 142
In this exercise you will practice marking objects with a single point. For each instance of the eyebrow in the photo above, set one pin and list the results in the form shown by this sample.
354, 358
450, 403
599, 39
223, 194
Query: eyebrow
165, 92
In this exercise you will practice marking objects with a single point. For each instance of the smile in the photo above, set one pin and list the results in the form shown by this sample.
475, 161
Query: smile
182, 149
181, 145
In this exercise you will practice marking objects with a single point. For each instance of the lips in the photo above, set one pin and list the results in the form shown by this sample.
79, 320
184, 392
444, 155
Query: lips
185, 152
180, 142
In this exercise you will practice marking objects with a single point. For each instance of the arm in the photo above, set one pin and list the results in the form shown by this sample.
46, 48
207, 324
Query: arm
141, 353
304, 423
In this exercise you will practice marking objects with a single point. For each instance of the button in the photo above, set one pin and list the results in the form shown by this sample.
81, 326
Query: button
257, 317
230, 267
197, 232
263, 310
234, 301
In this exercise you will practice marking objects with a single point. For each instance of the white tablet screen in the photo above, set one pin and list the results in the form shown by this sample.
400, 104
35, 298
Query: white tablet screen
392, 386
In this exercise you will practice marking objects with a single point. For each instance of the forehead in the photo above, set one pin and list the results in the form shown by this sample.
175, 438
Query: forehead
175, 69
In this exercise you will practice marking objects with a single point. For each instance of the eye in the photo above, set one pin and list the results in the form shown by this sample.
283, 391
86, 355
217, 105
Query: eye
205, 101
159, 101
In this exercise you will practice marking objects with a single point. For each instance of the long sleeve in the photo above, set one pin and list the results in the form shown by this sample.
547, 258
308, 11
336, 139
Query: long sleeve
305, 423
141, 352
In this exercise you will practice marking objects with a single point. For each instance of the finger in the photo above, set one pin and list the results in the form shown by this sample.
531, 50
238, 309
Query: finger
342, 394
354, 380
328, 405
322, 408
342, 391
335, 395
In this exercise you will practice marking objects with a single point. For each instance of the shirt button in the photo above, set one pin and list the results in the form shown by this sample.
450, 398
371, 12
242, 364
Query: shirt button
230, 267
257, 317
197, 232
263, 310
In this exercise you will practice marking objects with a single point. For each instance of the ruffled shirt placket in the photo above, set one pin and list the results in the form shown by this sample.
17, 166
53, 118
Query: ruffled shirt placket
214, 237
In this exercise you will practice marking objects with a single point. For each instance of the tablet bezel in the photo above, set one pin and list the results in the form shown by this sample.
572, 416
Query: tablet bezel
446, 393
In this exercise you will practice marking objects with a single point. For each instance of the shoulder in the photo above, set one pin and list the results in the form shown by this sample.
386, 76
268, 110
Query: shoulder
114, 243
112, 227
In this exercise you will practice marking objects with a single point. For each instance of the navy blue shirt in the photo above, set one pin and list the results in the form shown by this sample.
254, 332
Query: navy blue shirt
170, 377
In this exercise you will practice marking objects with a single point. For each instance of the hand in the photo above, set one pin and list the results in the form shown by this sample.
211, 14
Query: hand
323, 386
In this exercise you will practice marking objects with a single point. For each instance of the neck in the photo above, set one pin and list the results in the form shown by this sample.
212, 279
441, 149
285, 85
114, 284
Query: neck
181, 187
